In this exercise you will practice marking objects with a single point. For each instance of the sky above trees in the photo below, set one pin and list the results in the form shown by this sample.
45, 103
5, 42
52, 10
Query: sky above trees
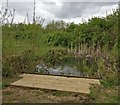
67, 11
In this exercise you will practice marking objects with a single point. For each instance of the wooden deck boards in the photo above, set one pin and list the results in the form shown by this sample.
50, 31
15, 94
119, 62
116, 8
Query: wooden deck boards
71, 84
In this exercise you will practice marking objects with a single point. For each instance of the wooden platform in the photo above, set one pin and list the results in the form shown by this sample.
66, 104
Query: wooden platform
71, 84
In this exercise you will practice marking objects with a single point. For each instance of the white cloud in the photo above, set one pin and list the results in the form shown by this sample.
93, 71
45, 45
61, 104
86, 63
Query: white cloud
19, 18
56, 10
61, 0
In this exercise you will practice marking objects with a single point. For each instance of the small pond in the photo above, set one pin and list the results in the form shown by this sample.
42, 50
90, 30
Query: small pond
67, 67
59, 70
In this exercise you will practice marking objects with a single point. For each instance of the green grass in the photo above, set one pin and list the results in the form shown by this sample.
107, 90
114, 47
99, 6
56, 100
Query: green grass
6, 81
0, 85
100, 94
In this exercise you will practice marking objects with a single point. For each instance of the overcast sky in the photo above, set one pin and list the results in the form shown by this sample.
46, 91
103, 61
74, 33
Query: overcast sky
67, 11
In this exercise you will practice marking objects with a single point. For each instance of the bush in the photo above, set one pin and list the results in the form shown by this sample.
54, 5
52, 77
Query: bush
18, 64
110, 80
54, 56
7, 71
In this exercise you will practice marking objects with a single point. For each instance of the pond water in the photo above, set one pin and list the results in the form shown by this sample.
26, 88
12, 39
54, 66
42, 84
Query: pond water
68, 67
59, 70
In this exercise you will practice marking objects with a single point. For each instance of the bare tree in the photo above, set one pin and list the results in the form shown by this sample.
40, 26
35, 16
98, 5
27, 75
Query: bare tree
12, 15
7, 16
34, 12
7, 4
28, 21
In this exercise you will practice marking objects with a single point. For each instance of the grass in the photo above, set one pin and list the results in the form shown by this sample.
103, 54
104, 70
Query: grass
101, 94
6, 81
0, 85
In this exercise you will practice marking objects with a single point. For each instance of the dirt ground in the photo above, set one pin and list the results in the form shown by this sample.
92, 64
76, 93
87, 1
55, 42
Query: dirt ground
80, 85
29, 95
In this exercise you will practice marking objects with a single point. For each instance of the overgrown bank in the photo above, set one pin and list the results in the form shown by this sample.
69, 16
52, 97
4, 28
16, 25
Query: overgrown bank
25, 46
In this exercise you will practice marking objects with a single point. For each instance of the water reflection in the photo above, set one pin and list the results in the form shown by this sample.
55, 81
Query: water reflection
70, 66
59, 70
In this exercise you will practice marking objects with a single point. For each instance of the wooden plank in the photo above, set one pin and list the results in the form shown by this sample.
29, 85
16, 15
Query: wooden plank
80, 85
